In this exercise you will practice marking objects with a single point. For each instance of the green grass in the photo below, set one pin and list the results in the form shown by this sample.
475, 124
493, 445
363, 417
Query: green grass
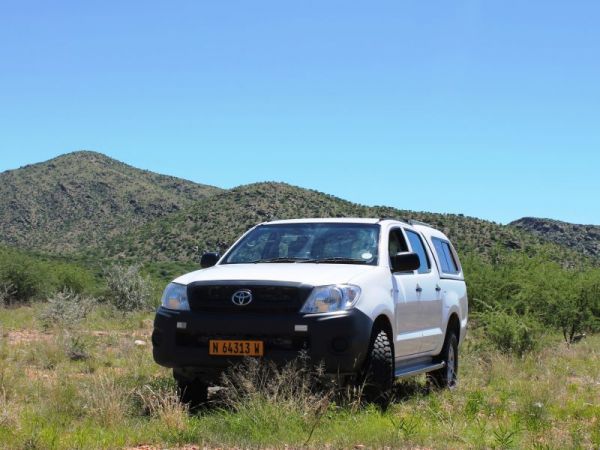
118, 397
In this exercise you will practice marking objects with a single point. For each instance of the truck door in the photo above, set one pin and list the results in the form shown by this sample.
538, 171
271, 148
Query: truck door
424, 284
408, 330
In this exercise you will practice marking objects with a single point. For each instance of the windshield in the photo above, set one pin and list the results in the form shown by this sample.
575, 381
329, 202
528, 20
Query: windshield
338, 243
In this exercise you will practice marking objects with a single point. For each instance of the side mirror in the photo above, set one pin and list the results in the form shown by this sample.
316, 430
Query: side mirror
405, 261
209, 260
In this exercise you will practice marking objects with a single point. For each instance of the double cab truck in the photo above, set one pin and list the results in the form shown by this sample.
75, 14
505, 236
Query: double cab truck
371, 300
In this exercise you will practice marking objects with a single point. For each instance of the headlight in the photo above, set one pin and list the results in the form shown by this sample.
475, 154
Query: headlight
337, 297
175, 297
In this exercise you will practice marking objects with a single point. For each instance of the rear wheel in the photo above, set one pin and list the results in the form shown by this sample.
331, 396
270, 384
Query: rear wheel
378, 374
446, 377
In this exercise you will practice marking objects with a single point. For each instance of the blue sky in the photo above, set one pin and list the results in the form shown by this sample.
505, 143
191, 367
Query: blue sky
487, 108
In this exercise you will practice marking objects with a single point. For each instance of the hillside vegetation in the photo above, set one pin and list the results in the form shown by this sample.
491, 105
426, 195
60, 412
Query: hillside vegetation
85, 198
213, 224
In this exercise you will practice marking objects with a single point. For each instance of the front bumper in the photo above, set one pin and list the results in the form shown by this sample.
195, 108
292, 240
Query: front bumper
338, 340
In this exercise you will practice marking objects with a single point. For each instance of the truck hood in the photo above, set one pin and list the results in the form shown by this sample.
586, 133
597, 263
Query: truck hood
308, 273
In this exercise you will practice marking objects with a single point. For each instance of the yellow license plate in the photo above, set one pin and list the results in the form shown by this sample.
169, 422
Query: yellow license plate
235, 348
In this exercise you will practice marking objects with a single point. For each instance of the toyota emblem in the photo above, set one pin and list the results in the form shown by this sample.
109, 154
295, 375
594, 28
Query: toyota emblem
242, 298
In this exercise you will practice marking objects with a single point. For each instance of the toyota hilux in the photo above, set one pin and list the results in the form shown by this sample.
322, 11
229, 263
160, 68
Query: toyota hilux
369, 299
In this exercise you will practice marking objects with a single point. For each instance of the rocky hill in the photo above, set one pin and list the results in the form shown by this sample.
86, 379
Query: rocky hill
581, 238
83, 199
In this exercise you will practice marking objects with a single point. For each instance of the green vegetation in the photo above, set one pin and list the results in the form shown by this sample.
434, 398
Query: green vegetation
66, 309
127, 289
26, 277
516, 296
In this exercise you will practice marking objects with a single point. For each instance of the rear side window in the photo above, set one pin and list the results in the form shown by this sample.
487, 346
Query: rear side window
445, 255
416, 243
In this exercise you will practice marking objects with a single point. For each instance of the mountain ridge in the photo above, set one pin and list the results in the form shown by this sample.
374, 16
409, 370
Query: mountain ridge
88, 203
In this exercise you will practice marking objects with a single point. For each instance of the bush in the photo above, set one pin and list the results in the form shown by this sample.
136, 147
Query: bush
578, 312
511, 333
128, 289
24, 275
32, 277
66, 309
68, 277
536, 290
75, 347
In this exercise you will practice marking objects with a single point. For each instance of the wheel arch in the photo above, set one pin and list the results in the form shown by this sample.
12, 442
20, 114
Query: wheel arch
453, 325
382, 322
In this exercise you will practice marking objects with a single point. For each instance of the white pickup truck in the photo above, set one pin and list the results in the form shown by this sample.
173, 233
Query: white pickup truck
370, 299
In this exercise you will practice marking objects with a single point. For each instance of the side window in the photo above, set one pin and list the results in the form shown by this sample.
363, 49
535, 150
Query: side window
445, 255
396, 243
417, 246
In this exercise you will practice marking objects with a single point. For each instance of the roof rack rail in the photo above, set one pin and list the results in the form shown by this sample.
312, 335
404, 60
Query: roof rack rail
400, 219
418, 222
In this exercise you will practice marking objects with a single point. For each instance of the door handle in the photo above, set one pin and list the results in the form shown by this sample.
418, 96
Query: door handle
438, 288
419, 288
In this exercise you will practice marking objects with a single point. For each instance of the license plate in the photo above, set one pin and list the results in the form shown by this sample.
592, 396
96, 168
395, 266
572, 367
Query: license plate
235, 348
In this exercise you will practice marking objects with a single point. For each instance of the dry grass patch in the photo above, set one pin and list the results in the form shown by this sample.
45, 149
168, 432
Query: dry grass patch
163, 404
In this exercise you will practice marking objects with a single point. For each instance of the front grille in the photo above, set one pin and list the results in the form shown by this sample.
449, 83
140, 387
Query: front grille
267, 297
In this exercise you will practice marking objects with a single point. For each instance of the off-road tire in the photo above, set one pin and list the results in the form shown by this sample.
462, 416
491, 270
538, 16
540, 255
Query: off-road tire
193, 393
447, 376
378, 375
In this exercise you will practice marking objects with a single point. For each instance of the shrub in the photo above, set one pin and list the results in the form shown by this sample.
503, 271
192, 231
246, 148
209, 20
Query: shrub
24, 275
31, 277
75, 348
511, 333
66, 309
68, 277
128, 289
579, 311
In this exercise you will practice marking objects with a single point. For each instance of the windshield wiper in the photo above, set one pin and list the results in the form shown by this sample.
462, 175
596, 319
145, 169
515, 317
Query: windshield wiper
283, 259
336, 260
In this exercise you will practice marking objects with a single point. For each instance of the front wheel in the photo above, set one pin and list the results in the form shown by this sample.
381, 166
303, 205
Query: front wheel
194, 393
378, 375
446, 377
